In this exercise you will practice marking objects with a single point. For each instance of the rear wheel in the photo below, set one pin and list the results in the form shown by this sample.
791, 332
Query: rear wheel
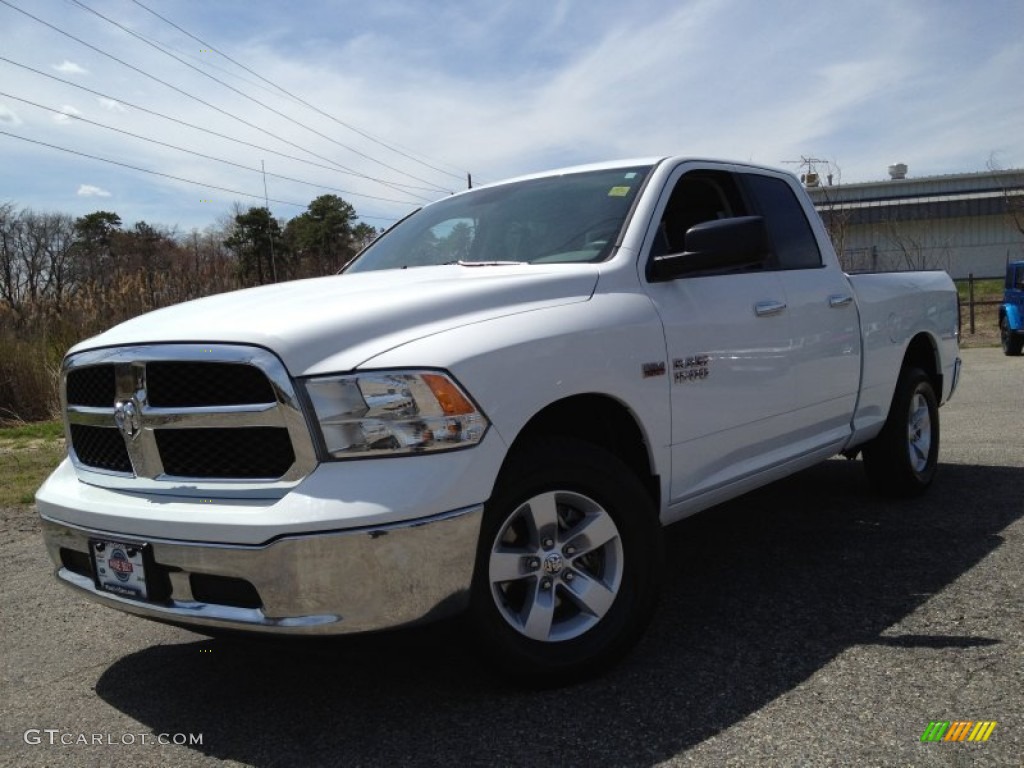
569, 563
1012, 342
903, 458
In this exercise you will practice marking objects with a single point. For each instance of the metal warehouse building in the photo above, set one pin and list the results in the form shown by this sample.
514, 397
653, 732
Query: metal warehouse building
964, 223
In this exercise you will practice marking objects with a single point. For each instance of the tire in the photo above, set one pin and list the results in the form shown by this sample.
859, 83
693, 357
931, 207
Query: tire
902, 459
1012, 342
568, 566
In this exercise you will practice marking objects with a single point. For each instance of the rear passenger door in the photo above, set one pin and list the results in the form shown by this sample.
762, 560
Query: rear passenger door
826, 344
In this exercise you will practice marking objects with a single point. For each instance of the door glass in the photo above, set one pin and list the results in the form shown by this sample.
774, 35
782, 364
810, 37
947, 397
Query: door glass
791, 234
698, 197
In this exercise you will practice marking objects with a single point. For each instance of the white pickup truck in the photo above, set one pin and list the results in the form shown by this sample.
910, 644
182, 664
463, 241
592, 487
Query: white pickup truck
497, 406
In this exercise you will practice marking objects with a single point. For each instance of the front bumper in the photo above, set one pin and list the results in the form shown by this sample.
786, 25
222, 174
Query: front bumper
323, 583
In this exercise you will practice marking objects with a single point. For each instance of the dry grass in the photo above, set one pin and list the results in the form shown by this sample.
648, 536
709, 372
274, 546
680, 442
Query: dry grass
28, 453
986, 333
986, 326
986, 323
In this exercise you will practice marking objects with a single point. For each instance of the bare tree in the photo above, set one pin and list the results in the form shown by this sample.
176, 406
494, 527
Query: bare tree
917, 250
1013, 196
835, 217
60, 240
10, 261
35, 237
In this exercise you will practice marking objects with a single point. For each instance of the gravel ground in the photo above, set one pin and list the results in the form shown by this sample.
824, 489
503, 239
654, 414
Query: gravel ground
807, 624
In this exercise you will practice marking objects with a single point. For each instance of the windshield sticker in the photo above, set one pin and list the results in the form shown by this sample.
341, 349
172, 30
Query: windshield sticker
618, 191
631, 175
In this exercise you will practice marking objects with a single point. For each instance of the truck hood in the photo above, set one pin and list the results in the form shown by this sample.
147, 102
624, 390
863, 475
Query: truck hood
336, 323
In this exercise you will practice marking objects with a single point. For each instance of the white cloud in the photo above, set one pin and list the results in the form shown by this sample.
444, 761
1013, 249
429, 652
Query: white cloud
65, 111
111, 105
70, 68
515, 87
88, 190
8, 116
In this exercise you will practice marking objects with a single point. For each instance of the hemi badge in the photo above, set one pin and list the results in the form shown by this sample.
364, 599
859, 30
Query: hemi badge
653, 369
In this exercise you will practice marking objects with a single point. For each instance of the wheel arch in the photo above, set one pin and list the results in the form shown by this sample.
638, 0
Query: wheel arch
599, 419
923, 353
1014, 316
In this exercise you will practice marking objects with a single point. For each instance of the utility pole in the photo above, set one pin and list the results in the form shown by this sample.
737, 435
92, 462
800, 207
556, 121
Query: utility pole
270, 217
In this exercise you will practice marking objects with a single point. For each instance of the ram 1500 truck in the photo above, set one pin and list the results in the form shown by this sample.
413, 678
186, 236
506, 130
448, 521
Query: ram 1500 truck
495, 407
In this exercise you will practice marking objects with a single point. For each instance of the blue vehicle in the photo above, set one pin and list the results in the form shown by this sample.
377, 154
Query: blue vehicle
1011, 311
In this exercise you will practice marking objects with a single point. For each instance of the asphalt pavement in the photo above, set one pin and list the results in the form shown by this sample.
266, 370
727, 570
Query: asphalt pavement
810, 623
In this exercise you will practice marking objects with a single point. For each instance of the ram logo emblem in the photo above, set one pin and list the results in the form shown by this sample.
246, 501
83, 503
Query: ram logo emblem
126, 416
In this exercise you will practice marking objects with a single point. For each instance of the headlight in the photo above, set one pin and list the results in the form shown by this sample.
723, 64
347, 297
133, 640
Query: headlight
387, 413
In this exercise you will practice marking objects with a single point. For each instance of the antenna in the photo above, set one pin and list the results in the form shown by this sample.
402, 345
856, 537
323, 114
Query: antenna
810, 177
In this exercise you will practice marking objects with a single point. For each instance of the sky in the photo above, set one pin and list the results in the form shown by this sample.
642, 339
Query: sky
391, 103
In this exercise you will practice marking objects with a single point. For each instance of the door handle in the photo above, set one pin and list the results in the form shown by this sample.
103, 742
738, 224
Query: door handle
766, 308
839, 299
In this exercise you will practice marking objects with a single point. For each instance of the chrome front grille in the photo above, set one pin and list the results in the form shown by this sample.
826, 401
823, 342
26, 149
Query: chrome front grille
101, 448
179, 384
243, 452
93, 386
167, 413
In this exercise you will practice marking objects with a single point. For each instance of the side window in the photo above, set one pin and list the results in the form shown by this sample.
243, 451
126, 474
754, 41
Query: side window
698, 196
791, 234
1020, 279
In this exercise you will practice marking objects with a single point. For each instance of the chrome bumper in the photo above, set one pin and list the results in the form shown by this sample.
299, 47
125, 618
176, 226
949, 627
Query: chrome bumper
322, 583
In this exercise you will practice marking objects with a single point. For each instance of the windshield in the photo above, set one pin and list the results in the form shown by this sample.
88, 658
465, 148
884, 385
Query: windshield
570, 218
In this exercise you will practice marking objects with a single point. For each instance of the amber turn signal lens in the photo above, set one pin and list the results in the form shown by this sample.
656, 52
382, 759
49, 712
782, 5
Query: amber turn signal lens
451, 400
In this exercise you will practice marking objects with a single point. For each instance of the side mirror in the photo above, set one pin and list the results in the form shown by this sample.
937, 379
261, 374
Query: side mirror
722, 244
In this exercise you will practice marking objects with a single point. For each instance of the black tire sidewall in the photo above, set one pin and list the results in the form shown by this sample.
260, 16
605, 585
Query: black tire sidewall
564, 464
924, 388
1011, 341
888, 456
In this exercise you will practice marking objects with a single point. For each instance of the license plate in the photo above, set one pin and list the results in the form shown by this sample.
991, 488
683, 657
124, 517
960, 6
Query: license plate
120, 568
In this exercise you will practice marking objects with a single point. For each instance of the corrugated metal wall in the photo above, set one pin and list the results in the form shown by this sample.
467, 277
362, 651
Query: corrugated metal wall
964, 224
980, 245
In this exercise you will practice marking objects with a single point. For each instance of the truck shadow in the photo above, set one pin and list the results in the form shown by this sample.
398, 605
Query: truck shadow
761, 594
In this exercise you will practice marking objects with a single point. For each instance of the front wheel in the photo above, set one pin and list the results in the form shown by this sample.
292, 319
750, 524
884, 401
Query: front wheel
569, 563
1012, 343
902, 460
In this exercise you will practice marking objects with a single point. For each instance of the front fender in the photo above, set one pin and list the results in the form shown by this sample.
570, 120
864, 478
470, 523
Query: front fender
1014, 315
515, 366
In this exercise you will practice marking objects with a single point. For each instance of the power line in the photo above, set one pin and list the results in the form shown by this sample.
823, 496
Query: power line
298, 98
168, 175
187, 124
245, 95
207, 61
199, 154
191, 96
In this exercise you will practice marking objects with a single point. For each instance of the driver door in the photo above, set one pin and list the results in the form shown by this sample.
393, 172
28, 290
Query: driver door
728, 345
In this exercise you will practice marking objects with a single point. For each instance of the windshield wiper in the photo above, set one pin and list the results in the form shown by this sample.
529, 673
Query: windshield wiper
462, 263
